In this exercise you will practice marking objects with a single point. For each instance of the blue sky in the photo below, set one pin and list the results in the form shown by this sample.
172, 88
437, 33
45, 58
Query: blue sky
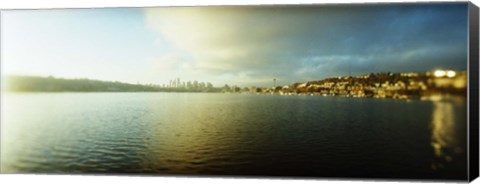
246, 46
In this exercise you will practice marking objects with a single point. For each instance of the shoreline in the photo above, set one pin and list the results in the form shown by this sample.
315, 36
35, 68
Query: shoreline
433, 97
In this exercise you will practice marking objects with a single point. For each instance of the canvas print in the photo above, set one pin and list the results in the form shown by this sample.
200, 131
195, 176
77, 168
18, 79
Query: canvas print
342, 91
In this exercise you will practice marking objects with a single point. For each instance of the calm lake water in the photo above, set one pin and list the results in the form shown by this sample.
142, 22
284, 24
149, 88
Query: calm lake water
232, 134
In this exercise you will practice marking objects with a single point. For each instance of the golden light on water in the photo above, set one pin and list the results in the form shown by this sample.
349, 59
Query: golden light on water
444, 139
442, 125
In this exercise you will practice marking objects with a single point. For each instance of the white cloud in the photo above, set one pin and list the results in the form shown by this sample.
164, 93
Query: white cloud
228, 40
170, 62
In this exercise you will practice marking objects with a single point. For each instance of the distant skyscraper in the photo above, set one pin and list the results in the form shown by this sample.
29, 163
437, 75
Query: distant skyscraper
195, 84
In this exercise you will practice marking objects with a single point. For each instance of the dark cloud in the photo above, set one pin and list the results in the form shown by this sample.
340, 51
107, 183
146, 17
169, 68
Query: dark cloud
298, 43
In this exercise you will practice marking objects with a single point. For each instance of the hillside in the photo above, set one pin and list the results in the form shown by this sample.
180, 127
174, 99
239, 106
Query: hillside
51, 84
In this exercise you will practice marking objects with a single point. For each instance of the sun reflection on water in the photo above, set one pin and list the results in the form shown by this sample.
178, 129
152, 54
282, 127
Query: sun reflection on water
444, 140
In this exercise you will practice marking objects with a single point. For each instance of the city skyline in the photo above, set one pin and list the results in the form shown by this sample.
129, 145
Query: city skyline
244, 46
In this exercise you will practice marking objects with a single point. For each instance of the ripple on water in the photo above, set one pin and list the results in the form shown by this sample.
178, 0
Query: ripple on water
218, 133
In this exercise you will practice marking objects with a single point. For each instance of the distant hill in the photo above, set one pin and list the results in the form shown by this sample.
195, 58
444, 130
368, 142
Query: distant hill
16, 83
51, 84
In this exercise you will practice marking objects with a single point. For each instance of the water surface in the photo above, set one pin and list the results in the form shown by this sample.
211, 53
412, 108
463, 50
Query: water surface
232, 134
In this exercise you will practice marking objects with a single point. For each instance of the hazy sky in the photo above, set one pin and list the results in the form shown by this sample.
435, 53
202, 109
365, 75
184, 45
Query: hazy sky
243, 46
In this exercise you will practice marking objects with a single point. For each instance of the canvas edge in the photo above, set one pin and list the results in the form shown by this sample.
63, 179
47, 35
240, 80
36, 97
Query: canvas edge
473, 93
